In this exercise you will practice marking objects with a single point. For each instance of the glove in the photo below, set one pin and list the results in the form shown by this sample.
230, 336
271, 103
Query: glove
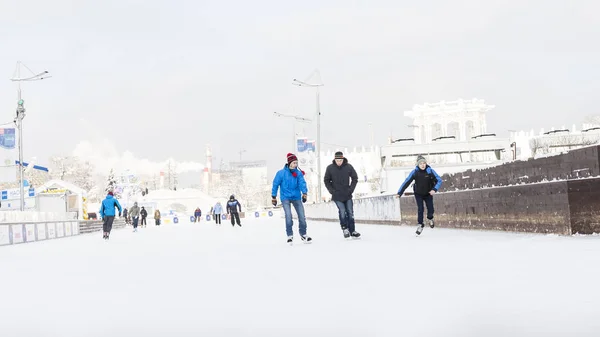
274, 201
119, 214
303, 198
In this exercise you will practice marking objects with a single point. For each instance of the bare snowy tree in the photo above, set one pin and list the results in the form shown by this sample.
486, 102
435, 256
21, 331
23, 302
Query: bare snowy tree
73, 170
111, 183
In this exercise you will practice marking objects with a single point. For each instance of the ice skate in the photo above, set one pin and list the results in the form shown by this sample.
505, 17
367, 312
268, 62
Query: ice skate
431, 223
290, 240
346, 233
355, 235
420, 228
306, 239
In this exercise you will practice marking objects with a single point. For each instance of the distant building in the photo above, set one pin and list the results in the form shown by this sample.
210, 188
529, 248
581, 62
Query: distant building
453, 136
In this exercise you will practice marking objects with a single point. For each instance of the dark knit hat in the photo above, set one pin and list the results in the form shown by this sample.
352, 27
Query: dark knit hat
291, 157
339, 155
421, 159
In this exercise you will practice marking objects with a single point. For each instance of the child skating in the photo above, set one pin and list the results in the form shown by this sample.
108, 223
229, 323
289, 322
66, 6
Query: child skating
427, 183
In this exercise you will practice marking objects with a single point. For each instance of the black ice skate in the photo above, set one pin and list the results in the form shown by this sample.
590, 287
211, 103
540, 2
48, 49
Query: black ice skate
306, 238
420, 228
346, 233
355, 235
431, 223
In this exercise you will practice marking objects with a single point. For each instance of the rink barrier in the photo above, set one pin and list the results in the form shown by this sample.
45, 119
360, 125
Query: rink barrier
557, 207
26, 232
383, 210
91, 226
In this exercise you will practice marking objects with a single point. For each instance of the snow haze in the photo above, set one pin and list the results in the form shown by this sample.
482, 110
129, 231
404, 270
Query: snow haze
202, 280
164, 79
105, 156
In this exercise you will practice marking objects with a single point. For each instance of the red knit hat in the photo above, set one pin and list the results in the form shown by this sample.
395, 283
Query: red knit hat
110, 193
291, 157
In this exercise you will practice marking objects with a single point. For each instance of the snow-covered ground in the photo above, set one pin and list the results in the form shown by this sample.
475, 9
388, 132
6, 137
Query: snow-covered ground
202, 280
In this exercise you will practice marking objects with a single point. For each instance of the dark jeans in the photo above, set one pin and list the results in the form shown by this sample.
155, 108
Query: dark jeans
108, 222
287, 209
429, 202
235, 217
217, 218
346, 214
157, 222
135, 222
143, 221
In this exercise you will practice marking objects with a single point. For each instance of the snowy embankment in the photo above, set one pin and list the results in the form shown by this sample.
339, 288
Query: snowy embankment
202, 280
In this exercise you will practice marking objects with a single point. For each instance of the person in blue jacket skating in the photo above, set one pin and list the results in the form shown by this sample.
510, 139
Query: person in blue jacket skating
292, 191
107, 212
427, 183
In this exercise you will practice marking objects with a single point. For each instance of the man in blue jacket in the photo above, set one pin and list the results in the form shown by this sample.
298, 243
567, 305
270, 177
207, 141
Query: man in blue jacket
292, 191
427, 183
107, 212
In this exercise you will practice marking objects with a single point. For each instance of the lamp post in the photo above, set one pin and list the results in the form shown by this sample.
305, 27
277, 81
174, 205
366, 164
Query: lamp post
19, 119
318, 149
296, 119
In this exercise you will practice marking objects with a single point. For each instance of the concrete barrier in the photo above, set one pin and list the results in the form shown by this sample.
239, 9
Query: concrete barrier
376, 210
32, 216
24, 232
91, 226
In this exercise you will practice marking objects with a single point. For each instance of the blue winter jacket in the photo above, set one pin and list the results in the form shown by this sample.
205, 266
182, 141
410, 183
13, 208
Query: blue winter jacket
218, 209
290, 187
425, 181
108, 206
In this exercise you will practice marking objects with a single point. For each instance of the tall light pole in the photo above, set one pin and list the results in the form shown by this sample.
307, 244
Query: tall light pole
318, 149
19, 119
296, 119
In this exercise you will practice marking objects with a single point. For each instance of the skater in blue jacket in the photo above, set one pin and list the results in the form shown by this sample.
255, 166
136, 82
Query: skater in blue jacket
292, 191
427, 183
107, 212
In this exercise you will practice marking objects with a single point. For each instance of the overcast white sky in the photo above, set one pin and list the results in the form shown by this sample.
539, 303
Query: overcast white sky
163, 78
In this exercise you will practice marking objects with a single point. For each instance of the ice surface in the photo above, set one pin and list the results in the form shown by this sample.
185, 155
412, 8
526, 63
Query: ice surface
202, 280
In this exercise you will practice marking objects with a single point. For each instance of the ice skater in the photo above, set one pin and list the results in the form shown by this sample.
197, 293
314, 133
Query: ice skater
107, 213
232, 208
427, 183
292, 191
341, 179
134, 213
144, 215
157, 217
217, 210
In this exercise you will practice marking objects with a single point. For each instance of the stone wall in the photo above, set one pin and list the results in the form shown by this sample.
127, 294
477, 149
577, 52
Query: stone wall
579, 163
537, 208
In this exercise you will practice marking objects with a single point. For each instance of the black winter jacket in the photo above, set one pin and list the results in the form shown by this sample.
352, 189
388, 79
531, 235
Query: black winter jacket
337, 180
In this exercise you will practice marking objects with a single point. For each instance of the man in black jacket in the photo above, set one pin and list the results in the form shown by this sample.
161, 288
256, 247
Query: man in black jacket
340, 180
232, 208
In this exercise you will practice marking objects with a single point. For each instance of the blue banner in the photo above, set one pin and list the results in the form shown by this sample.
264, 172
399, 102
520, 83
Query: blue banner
7, 138
301, 144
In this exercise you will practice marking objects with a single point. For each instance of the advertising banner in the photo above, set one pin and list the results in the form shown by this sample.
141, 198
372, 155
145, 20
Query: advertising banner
30, 232
17, 233
4, 235
41, 231
60, 229
51, 230
68, 228
8, 155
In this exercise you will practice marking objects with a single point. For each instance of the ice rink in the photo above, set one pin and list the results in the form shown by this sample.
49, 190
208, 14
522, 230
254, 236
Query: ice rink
197, 279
